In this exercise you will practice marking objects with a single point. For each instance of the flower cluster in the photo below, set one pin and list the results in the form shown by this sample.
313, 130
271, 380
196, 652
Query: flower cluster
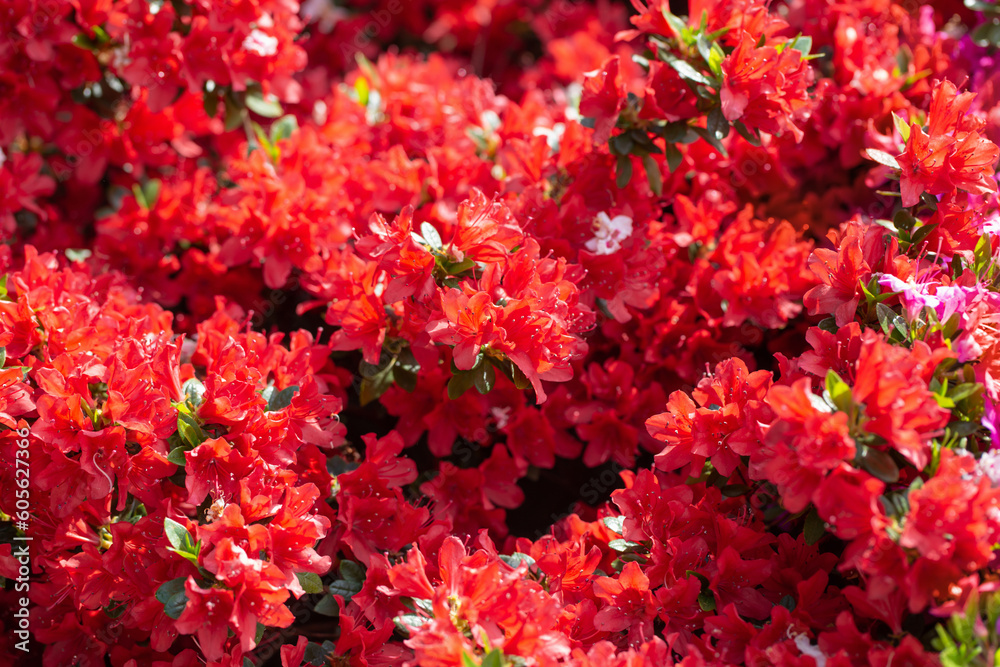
347, 333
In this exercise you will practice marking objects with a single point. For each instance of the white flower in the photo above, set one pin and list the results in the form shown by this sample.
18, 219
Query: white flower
552, 136
989, 464
261, 43
501, 415
609, 234
807, 648
490, 121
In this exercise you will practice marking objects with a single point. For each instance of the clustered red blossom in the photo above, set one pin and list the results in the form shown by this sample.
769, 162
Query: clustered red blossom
311, 312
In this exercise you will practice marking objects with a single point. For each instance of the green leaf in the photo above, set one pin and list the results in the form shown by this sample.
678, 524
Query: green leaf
458, 268
839, 391
814, 527
327, 606
315, 654
423, 604
234, 113
406, 369
177, 534
716, 124
711, 139
715, 59
621, 144
140, 196
901, 126
100, 34
483, 377
173, 597
624, 172
922, 233
879, 464
181, 542
735, 490
460, 383
310, 582
210, 103
194, 392
746, 133
615, 523
903, 220
983, 253
516, 559
259, 634
889, 320
268, 107
685, 70
83, 41
372, 388
965, 390
406, 380
674, 157
802, 44
406, 621
189, 429
944, 401
985, 6
351, 571
170, 589
407, 361
987, 33
363, 90
430, 234
262, 141
345, 589
706, 600
493, 659
279, 400
676, 132
602, 305
176, 456
283, 128
77, 254
704, 46
151, 192
3, 356
882, 158
468, 660
676, 23
368, 371
653, 175
829, 324
622, 545
518, 377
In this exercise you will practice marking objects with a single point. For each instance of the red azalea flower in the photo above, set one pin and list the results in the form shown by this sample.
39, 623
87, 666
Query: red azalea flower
764, 89
723, 425
206, 614
954, 155
467, 324
603, 92
629, 603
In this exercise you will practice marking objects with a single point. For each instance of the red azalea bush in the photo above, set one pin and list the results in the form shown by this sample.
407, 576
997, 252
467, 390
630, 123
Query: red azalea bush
499, 334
